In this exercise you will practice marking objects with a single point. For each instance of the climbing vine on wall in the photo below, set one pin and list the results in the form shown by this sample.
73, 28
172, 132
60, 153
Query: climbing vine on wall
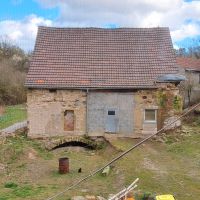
177, 103
162, 98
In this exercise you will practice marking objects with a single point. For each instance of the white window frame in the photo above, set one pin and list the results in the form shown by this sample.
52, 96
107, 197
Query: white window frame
150, 121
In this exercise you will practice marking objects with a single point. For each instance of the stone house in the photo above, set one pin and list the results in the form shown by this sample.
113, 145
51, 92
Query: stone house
190, 68
101, 82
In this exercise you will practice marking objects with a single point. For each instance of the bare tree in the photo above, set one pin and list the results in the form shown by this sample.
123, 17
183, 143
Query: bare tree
14, 63
192, 49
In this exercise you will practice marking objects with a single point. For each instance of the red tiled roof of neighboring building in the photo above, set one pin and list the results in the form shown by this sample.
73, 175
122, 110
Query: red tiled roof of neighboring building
188, 63
100, 58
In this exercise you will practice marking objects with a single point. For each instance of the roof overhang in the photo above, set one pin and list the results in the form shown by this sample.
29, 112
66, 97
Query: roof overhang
90, 88
171, 78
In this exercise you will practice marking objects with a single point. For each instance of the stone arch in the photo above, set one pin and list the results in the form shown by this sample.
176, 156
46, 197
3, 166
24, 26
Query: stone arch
72, 141
74, 144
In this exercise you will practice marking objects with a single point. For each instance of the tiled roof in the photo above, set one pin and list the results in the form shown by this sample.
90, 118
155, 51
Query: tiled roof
188, 63
100, 58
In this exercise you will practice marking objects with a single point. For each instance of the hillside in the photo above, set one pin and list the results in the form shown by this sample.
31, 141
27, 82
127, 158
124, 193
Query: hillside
169, 164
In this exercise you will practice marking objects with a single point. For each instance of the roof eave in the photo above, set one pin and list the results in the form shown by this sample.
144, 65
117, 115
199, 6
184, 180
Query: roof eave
192, 70
91, 88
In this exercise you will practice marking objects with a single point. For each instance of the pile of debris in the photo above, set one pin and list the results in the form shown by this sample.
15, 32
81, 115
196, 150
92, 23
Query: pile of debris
88, 197
126, 193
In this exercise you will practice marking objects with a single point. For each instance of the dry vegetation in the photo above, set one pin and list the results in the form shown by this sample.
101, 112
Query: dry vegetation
14, 64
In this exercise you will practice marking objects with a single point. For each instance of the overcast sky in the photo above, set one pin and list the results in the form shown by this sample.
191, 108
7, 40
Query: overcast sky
19, 19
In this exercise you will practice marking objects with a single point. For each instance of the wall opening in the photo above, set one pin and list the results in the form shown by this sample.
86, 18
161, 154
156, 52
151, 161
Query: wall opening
52, 90
75, 144
69, 120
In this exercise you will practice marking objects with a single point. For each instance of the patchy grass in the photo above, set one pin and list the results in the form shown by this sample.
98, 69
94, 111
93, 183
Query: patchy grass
21, 192
15, 148
13, 114
170, 167
10, 185
186, 148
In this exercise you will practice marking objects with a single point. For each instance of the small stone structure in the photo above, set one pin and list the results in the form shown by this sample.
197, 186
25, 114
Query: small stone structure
101, 82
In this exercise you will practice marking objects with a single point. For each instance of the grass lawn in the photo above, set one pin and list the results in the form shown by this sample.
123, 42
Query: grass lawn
12, 115
172, 167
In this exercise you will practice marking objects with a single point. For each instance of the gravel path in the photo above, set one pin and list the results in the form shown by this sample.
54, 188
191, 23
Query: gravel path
14, 127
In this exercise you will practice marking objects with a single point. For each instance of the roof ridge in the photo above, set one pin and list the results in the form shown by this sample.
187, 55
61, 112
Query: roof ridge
103, 28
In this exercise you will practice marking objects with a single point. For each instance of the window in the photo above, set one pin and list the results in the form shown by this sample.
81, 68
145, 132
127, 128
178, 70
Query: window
69, 120
150, 115
111, 112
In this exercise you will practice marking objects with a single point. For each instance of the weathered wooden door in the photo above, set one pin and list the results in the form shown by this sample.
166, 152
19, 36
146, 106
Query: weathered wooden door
69, 120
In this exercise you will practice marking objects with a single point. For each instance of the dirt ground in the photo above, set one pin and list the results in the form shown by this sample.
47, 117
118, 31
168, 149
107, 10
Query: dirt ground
167, 165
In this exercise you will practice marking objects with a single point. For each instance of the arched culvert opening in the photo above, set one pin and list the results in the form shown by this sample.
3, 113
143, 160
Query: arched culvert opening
75, 144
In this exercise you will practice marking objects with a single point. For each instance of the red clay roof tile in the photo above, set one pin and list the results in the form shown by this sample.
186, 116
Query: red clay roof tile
100, 58
188, 63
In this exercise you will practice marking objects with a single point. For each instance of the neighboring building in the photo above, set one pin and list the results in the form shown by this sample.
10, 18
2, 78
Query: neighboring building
101, 81
190, 67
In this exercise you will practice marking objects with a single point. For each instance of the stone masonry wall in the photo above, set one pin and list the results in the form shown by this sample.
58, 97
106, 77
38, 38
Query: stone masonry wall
166, 100
46, 112
144, 99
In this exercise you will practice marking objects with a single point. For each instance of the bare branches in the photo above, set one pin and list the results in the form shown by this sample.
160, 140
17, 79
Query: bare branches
14, 63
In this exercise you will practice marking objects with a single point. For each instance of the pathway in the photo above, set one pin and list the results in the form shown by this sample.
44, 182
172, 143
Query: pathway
14, 127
